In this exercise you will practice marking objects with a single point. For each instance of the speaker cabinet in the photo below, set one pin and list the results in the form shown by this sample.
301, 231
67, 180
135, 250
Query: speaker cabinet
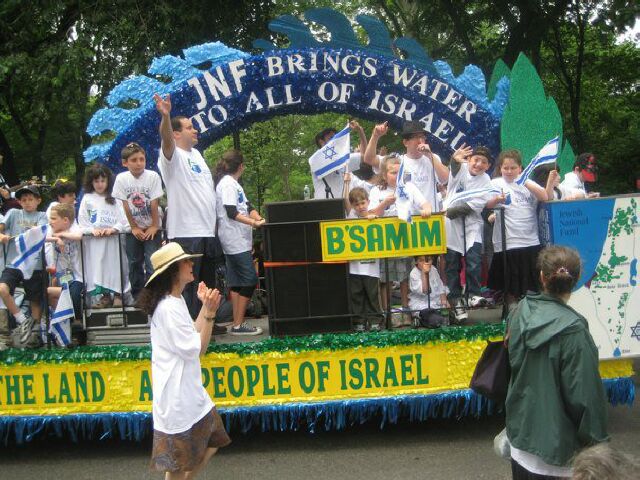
310, 297
293, 232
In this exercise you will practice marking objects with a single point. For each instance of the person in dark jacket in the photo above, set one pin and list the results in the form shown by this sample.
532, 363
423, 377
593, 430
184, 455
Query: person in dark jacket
556, 403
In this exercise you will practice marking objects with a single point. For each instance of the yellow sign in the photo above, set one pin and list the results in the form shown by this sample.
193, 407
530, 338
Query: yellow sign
269, 378
356, 239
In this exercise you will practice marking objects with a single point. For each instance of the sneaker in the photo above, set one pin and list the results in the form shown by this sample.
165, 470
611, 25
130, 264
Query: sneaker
24, 330
359, 327
245, 329
219, 329
460, 312
478, 301
376, 327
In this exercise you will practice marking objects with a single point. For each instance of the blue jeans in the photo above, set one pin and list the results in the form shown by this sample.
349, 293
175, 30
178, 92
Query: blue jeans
139, 254
473, 263
204, 268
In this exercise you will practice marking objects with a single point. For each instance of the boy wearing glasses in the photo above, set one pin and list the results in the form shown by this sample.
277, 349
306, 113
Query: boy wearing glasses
139, 190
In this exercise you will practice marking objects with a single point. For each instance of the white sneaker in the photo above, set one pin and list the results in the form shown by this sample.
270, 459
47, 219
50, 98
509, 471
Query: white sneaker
460, 312
359, 327
478, 301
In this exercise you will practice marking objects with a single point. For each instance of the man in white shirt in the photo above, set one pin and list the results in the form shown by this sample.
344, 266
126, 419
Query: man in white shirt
330, 186
191, 199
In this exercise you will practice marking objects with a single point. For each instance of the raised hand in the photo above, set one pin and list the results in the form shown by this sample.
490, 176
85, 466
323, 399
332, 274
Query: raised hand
425, 148
163, 105
554, 178
354, 125
347, 177
461, 154
381, 129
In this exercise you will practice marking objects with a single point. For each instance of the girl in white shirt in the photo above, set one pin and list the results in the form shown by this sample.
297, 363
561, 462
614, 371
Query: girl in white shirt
521, 229
104, 218
187, 429
382, 203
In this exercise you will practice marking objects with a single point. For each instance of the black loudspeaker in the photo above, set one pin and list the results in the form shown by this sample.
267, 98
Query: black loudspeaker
292, 235
311, 298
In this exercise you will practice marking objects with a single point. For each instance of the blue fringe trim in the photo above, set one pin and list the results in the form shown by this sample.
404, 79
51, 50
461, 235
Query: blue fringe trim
333, 415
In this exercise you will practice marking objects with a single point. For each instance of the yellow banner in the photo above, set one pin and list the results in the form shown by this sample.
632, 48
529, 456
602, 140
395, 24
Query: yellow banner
356, 239
270, 378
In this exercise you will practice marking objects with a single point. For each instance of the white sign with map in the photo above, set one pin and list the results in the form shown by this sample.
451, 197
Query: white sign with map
606, 232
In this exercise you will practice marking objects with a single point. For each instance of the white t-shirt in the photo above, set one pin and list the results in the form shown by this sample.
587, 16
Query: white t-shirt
191, 198
335, 180
378, 194
473, 223
419, 300
369, 268
571, 180
179, 399
421, 173
138, 193
359, 183
65, 260
235, 237
95, 212
520, 216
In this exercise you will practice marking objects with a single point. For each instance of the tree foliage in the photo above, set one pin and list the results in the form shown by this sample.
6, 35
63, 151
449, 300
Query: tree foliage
59, 60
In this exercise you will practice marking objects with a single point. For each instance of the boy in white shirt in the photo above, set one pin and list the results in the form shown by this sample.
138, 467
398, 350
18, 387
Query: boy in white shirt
364, 275
422, 167
62, 255
464, 224
426, 290
139, 190
583, 172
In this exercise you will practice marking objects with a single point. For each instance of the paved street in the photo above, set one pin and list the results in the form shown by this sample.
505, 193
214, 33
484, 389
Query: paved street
435, 450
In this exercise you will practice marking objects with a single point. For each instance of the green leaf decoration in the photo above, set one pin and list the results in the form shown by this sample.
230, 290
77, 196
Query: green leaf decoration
531, 118
566, 159
500, 69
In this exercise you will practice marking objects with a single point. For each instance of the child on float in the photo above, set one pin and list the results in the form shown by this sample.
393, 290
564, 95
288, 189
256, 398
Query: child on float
139, 190
422, 167
236, 220
464, 225
382, 203
548, 176
63, 257
521, 229
62, 191
426, 290
364, 275
105, 261
15, 223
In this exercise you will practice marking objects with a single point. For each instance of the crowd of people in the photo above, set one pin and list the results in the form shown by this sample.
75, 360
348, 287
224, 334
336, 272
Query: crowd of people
474, 204
208, 217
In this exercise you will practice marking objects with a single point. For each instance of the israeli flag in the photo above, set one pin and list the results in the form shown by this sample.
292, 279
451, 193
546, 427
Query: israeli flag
29, 245
60, 323
468, 195
403, 197
547, 154
332, 156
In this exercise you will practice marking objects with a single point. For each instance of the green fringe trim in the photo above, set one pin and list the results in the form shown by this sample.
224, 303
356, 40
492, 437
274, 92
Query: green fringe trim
328, 341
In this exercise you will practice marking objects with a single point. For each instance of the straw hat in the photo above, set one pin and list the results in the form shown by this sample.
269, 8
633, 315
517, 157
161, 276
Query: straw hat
164, 257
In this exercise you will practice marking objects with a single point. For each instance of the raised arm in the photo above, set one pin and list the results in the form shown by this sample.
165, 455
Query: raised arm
163, 105
371, 152
361, 135
551, 183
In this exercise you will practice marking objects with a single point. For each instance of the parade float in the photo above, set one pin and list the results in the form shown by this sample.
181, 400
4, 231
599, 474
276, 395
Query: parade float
333, 380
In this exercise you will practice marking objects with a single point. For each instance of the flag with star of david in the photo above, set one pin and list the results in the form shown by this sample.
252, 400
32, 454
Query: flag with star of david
333, 155
403, 197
